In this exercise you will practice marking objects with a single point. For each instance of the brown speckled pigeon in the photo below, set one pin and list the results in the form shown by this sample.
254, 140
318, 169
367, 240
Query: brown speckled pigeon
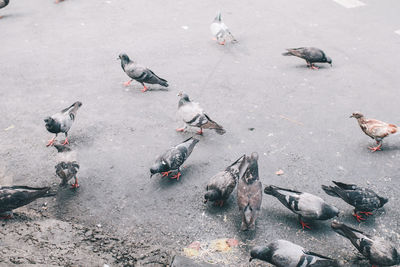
364, 200
378, 251
249, 192
139, 73
310, 54
375, 129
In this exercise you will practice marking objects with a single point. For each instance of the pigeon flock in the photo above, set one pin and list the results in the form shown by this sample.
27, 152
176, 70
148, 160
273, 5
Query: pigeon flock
242, 173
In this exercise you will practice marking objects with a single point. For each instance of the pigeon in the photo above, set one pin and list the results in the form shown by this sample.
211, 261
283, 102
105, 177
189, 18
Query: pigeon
364, 200
283, 253
139, 73
221, 185
173, 158
194, 116
66, 171
67, 165
62, 121
221, 31
375, 129
378, 251
12, 197
307, 206
3, 3
249, 192
310, 54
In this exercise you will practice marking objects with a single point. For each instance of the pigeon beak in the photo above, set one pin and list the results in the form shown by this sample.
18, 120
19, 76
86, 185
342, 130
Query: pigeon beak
205, 201
251, 258
351, 116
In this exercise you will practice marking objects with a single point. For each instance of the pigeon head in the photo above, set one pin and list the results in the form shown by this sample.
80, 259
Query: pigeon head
357, 115
184, 96
261, 253
383, 200
218, 17
158, 167
124, 57
48, 120
211, 195
328, 212
329, 60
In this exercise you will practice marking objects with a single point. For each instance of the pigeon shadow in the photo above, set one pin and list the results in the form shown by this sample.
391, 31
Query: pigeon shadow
304, 66
65, 195
158, 89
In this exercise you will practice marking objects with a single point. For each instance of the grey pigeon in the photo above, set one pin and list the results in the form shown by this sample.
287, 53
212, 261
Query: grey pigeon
307, 206
194, 116
221, 31
173, 158
66, 171
12, 197
310, 54
139, 73
249, 192
378, 251
282, 253
221, 185
62, 121
364, 200
3, 3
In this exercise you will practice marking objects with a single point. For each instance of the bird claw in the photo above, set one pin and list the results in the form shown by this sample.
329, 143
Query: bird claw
200, 132
373, 149
303, 224
7, 217
176, 176
314, 67
51, 142
219, 203
127, 83
180, 129
74, 186
366, 213
165, 173
144, 89
65, 142
359, 218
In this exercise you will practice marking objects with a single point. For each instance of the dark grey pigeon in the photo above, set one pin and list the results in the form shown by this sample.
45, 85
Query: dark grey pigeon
12, 197
249, 192
378, 251
139, 73
221, 185
173, 158
310, 54
307, 206
3, 3
62, 121
282, 253
194, 116
364, 200
66, 171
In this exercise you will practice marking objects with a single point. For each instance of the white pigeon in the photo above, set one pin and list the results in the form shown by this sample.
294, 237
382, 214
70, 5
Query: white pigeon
221, 31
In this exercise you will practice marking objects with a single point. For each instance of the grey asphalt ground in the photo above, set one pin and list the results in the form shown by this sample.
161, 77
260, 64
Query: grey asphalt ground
52, 55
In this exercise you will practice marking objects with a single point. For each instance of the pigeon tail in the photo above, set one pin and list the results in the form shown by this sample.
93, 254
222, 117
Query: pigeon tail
163, 82
330, 190
213, 125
